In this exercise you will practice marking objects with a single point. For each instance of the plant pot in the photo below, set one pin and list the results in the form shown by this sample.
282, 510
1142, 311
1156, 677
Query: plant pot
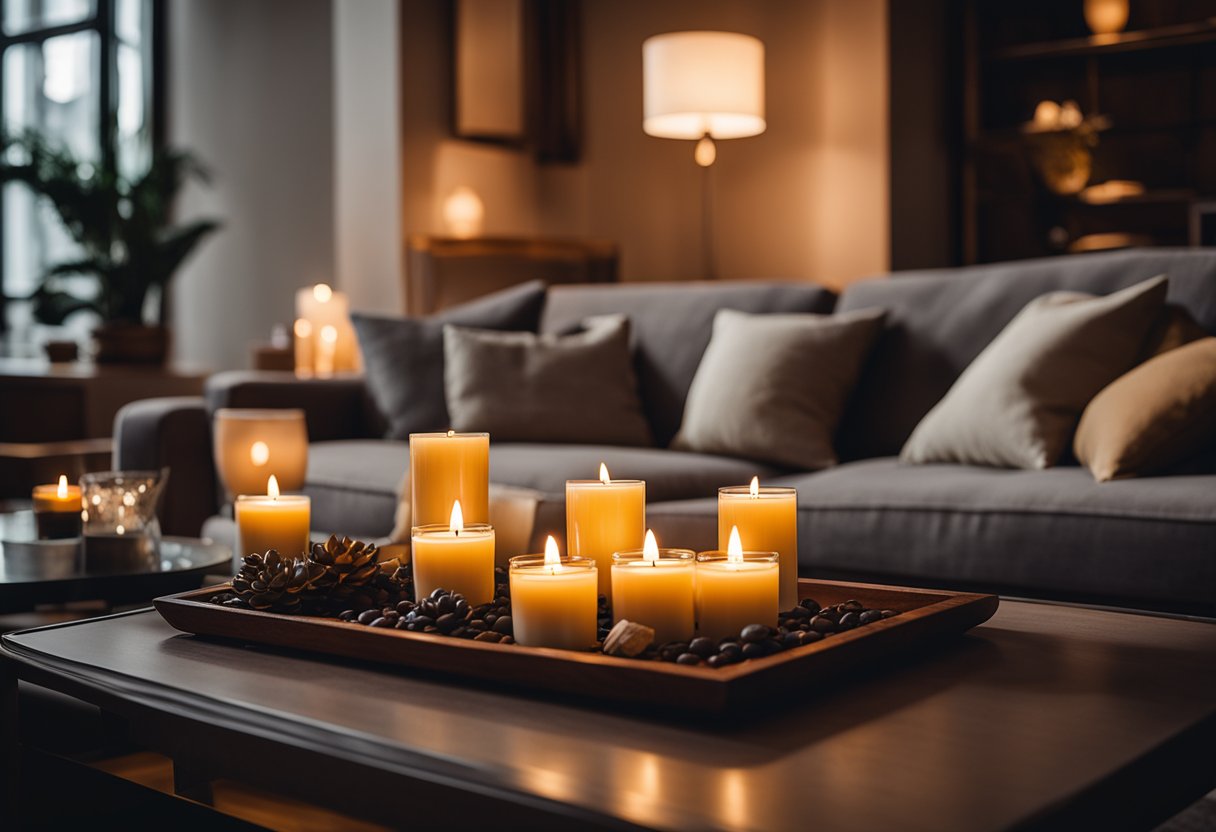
120, 343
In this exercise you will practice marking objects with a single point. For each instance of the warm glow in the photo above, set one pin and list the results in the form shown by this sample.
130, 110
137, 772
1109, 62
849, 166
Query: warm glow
451, 433
63, 487
698, 84
463, 212
329, 334
650, 549
604, 478
754, 488
272, 488
552, 556
706, 152
302, 328
456, 524
322, 293
734, 549
259, 454
1106, 17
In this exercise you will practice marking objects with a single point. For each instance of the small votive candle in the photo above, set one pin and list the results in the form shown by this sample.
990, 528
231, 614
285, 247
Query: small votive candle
654, 586
554, 600
272, 521
736, 588
57, 510
454, 557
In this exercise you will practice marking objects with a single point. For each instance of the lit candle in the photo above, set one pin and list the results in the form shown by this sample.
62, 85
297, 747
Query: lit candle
57, 510
327, 350
252, 444
735, 590
655, 587
272, 521
455, 557
767, 519
331, 345
302, 329
444, 468
604, 516
553, 600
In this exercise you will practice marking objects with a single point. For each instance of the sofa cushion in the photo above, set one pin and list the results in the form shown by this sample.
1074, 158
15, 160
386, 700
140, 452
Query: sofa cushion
671, 325
938, 321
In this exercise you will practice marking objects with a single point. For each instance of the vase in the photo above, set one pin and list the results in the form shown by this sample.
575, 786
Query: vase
124, 343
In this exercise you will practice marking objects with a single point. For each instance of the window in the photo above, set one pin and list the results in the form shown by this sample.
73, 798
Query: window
80, 72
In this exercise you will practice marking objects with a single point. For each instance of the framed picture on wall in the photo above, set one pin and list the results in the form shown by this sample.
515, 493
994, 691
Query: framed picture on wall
489, 71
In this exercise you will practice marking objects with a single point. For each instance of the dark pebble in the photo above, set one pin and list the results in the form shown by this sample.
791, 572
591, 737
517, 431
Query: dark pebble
489, 618
852, 605
823, 624
790, 624
810, 605
402, 624
810, 637
478, 624
754, 650
424, 620
502, 624
889, 613
848, 621
507, 640
488, 635
754, 633
703, 647
459, 632
801, 613
772, 645
462, 608
382, 622
348, 615
792, 640
437, 593
430, 629
405, 607
870, 616
445, 605
447, 621
428, 609
717, 661
389, 612
368, 616
731, 650
688, 659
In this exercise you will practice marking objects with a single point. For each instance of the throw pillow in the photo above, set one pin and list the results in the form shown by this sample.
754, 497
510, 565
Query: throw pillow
403, 357
1017, 404
772, 387
523, 387
1153, 417
1175, 326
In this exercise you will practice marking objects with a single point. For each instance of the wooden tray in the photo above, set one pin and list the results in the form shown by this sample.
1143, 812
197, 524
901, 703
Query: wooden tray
924, 616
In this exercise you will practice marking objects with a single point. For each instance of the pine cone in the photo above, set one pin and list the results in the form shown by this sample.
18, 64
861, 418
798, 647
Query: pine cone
345, 568
273, 583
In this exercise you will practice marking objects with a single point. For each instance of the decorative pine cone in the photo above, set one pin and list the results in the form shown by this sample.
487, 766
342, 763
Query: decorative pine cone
346, 568
273, 583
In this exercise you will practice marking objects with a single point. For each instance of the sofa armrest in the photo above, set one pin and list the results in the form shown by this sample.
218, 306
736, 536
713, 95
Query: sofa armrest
334, 408
173, 433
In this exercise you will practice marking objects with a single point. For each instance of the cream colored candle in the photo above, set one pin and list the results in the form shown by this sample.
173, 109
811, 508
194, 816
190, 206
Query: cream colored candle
57, 510
735, 589
272, 521
767, 519
455, 557
444, 468
325, 338
655, 587
602, 517
250, 445
553, 600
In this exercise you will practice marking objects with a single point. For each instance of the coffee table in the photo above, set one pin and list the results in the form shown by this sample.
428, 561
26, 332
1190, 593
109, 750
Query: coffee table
1046, 716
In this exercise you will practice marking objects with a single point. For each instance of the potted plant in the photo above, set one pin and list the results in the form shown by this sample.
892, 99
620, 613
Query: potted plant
128, 241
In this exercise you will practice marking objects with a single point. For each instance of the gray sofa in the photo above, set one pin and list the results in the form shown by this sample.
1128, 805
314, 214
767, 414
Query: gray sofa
1147, 543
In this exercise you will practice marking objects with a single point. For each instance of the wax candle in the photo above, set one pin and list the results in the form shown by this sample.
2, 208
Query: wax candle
735, 589
655, 587
252, 444
602, 517
57, 510
456, 557
325, 338
553, 600
767, 519
444, 468
274, 521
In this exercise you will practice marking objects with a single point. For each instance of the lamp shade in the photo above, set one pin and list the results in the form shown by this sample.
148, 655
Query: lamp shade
703, 83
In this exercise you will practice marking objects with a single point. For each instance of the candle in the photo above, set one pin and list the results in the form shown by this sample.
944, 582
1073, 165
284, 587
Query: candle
655, 587
602, 517
272, 521
735, 590
57, 510
327, 350
767, 519
455, 557
325, 339
553, 600
252, 444
444, 468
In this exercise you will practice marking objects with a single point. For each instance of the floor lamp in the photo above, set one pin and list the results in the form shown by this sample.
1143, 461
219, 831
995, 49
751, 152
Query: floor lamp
703, 86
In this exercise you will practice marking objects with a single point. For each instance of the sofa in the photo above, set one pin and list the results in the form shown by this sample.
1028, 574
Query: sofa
1056, 533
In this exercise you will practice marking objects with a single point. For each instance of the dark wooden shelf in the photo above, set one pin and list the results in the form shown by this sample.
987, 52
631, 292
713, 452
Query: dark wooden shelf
1181, 34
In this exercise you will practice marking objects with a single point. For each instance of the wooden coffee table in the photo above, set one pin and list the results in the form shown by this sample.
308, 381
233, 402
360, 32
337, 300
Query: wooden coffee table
1045, 717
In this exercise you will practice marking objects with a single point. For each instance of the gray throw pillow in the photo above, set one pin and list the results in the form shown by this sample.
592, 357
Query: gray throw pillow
522, 387
403, 357
1018, 403
772, 387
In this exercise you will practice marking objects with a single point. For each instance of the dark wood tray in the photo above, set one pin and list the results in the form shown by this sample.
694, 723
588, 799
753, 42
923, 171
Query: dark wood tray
924, 616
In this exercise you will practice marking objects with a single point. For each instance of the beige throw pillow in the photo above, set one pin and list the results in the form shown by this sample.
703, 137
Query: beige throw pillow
1018, 402
1153, 417
772, 387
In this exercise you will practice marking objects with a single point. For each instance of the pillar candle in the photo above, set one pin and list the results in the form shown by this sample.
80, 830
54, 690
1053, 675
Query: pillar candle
456, 557
553, 600
332, 346
604, 516
252, 444
444, 468
767, 519
735, 589
272, 521
655, 587
57, 510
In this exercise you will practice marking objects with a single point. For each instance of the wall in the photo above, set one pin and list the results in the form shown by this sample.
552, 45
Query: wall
250, 90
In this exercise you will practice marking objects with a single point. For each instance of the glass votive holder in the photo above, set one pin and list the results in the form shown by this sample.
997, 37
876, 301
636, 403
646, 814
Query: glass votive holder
57, 510
657, 592
458, 561
252, 444
554, 601
121, 530
733, 591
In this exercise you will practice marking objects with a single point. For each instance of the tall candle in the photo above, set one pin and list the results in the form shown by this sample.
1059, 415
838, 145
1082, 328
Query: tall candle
273, 521
444, 468
456, 557
553, 600
325, 338
735, 589
57, 510
655, 587
602, 517
767, 519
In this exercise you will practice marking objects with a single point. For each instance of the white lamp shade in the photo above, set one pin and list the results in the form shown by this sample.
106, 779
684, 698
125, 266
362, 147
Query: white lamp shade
698, 83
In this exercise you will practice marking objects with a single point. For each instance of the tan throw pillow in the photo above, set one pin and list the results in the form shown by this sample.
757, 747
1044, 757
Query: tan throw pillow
1153, 417
1018, 402
772, 387
1175, 326
522, 387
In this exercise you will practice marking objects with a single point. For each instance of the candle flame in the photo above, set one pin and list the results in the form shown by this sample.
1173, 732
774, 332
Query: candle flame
456, 524
259, 453
302, 328
322, 293
553, 558
272, 488
650, 549
63, 487
604, 478
734, 549
754, 488
451, 433
329, 334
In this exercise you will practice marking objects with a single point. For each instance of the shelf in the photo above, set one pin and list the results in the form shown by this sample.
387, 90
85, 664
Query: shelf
1162, 37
